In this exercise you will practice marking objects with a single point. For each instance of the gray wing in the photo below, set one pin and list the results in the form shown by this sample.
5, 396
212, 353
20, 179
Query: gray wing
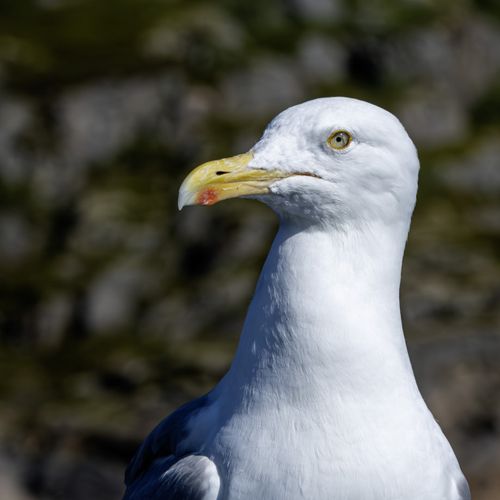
158, 471
463, 489
193, 477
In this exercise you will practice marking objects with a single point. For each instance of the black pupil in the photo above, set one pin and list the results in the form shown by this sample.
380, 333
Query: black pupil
339, 138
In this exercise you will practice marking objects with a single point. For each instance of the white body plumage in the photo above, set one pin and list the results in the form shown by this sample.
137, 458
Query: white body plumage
321, 401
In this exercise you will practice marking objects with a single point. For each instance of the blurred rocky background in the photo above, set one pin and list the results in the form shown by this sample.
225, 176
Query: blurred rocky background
115, 308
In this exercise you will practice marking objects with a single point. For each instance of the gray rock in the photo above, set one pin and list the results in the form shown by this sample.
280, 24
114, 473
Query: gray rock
322, 60
461, 58
477, 172
15, 117
460, 380
99, 119
10, 481
266, 87
433, 118
113, 296
323, 11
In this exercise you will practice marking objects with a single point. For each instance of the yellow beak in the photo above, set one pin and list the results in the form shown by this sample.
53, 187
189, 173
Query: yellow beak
227, 178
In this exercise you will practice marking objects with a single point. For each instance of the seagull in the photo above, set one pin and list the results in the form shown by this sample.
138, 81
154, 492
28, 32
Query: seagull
320, 401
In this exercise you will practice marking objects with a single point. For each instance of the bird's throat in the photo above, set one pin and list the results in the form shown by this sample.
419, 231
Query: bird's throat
325, 316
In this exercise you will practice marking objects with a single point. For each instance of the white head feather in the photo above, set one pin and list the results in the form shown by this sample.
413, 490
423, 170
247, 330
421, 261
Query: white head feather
374, 177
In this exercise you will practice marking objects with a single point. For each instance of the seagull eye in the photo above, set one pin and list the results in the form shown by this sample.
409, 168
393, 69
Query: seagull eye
339, 139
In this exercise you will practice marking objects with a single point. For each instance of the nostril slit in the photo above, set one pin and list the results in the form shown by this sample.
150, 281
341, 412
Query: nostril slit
221, 172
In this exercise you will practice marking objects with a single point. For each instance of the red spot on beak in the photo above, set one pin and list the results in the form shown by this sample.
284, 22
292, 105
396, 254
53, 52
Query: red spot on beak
207, 197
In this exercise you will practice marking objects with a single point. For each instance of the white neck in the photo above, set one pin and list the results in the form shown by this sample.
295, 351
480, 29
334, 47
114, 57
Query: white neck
321, 392
325, 319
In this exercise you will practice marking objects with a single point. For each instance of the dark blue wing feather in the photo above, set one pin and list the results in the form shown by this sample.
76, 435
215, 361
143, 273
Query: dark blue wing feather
164, 439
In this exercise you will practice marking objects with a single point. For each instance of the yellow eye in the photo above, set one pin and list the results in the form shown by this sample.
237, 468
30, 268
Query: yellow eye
339, 139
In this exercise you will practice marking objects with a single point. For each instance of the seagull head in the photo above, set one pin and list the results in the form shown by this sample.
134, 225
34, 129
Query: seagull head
331, 161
